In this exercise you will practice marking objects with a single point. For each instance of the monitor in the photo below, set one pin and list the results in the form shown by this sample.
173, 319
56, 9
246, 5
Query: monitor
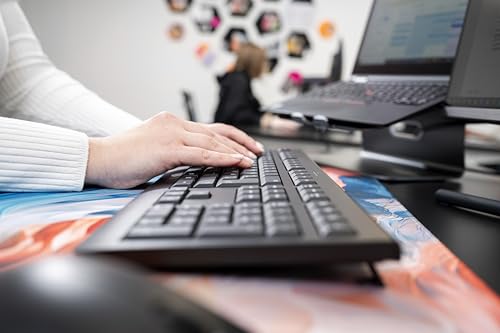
474, 92
411, 37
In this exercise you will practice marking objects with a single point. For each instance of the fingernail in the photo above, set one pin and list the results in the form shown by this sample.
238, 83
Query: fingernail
249, 160
260, 146
251, 155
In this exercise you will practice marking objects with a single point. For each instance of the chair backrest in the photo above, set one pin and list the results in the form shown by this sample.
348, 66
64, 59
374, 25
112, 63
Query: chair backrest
189, 105
336, 69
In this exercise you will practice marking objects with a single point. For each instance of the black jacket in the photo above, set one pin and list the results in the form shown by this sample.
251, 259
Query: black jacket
237, 104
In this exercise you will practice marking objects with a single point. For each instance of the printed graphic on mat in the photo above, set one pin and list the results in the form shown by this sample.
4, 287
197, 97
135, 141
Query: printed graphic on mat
428, 290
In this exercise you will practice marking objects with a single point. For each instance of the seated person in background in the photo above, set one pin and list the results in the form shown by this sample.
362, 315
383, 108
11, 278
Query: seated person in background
237, 104
55, 135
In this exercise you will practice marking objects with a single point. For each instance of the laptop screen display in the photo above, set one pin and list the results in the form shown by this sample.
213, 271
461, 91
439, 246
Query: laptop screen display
411, 37
476, 75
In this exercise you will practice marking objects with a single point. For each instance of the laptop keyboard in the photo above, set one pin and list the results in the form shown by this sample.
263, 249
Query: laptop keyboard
261, 205
403, 93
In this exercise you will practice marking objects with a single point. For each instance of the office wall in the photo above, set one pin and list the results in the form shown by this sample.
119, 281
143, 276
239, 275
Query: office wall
120, 49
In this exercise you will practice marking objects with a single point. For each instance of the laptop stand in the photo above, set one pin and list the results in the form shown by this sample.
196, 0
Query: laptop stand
426, 147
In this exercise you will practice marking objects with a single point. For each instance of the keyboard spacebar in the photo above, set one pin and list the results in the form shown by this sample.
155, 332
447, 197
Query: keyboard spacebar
230, 230
237, 182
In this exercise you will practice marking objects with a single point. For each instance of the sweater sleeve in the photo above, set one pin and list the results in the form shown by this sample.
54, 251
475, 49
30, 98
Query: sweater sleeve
37, 157
31, 88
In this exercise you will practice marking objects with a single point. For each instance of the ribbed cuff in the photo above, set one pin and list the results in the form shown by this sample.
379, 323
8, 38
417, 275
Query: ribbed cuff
39, 158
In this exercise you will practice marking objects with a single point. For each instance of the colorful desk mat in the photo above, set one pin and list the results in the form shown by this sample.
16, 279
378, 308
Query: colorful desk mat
427, 290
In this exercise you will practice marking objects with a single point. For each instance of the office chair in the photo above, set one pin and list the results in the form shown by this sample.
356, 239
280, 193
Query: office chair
189, 105
335, 73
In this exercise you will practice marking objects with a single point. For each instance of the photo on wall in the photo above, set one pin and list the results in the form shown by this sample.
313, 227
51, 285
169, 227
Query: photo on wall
239, 7
179, 6
234, 38
297, 45
175, 31
207, 18
268, 22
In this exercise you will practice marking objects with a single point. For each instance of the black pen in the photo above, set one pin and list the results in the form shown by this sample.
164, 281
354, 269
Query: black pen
468, 201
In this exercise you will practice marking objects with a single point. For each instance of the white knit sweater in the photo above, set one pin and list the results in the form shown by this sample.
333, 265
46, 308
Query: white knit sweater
36, 156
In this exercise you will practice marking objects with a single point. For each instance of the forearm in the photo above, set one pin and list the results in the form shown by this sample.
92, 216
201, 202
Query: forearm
36, 157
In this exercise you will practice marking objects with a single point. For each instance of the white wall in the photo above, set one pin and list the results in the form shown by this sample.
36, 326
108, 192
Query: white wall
118, 48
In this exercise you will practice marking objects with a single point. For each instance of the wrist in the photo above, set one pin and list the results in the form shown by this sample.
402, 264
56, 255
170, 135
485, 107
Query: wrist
266, 120
96, 166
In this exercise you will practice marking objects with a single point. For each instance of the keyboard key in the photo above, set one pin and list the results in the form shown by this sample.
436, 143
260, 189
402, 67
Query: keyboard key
170, 199
161, 232
270, 180
161, 210
230, 230
183, 220
335, 229
237, 182
282, 230
194, 194
216, 220
151, 221
207, 182
184, 182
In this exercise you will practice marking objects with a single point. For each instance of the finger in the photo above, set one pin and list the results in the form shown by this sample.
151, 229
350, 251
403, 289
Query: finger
201, 157
236, 146
207, 142
201, 128
239, 136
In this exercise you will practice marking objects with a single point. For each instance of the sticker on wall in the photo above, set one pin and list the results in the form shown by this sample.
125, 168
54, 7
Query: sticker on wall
233, 39
239, 7
326, 29
297, 45
207, 18
178, 6
205, 54
268, 22
175, 31
293, 82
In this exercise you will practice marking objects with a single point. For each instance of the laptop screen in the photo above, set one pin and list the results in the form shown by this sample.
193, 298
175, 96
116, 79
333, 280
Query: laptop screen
411, 37
476, 75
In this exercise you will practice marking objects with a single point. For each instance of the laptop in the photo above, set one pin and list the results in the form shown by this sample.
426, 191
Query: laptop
402, 67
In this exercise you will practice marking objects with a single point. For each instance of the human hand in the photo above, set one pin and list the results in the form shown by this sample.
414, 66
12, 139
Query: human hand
163, 143
285, 125
274, 122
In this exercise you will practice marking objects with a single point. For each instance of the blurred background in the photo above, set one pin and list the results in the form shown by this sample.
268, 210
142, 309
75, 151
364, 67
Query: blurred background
141, 54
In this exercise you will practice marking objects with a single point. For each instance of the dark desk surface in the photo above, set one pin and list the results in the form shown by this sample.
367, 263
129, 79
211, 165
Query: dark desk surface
472, 237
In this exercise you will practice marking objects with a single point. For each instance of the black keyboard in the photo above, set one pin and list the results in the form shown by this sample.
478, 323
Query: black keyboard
403, 93
282, 210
